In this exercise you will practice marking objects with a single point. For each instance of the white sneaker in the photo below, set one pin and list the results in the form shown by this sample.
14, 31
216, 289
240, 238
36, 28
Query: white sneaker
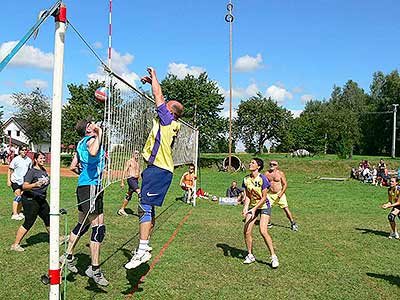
122, 212
249, 259
97, 276
17, 247
394, 235
17, 217
21, 215
274, 261
138, 259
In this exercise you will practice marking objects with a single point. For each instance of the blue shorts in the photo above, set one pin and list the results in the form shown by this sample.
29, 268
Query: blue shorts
155, 185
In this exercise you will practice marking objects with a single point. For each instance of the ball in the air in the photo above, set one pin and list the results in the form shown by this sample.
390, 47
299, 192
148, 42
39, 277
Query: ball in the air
101, 94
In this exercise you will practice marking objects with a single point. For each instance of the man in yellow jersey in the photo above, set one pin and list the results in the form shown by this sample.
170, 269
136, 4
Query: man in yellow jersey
157, 177
394, 203
256, 203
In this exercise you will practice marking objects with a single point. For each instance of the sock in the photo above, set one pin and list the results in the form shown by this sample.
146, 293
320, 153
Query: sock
143, 245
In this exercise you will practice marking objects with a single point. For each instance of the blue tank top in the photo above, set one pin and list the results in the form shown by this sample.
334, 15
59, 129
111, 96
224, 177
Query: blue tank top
91, 166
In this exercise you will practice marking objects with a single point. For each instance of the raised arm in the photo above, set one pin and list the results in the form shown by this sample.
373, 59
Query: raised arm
155, 86
94, 143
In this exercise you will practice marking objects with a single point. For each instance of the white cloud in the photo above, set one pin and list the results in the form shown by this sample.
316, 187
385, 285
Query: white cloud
278, 94
27, 56
8, 107
305, 98
97, 45
119, 63
181, 70
298, 90
36, 83
241, 93
296, 112
247, 63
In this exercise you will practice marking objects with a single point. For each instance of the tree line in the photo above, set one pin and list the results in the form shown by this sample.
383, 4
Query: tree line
351, 121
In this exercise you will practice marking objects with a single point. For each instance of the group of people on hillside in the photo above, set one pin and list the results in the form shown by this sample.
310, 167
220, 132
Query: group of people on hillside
377, 175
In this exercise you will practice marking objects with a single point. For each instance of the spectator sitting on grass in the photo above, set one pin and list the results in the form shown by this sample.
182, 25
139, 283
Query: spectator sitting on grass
235, 192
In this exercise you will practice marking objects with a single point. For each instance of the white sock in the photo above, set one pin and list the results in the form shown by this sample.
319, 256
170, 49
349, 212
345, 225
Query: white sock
143, 245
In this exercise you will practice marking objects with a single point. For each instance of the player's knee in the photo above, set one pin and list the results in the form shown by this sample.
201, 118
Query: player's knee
28, 223
145, 213
80, 229
18, 199
98, 233
391, 217
128, 196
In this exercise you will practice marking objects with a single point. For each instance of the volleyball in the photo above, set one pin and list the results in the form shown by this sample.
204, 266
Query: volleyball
101, 94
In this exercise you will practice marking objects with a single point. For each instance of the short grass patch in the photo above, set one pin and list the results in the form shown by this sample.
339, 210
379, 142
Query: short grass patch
341, 250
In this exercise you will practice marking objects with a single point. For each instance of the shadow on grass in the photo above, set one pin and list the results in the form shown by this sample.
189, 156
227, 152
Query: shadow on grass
395, 280
237, 253
232, 251
41, 237
134, 276
130, 211
371, 231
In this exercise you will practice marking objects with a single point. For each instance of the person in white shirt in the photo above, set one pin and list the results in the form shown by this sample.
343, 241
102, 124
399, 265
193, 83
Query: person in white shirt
15, 178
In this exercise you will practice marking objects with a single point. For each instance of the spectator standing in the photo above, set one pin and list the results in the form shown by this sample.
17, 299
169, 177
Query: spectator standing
15, 178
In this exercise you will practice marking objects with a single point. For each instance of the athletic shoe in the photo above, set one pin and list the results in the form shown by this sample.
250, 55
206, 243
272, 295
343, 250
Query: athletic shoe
97, 276
249, 259
21, 215
274, 261
394, 235
294, 226
149, 249
70, 263
17, 217
122, 212
17, 247
270, 225
138, 259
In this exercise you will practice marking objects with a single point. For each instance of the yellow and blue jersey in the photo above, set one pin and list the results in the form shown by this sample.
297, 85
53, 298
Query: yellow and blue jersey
157, 150
254, 188
394, 194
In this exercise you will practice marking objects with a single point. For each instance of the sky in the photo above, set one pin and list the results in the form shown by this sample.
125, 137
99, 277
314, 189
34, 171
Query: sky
294, 51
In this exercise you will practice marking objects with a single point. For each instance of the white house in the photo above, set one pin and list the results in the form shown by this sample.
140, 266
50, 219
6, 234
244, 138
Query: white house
14, 130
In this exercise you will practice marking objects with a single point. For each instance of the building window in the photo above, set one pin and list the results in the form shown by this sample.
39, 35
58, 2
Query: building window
18, 132
9, 132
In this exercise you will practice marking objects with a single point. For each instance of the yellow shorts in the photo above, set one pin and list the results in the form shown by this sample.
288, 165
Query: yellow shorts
273, 199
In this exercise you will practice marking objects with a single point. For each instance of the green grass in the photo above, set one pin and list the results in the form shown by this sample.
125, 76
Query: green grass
340, 252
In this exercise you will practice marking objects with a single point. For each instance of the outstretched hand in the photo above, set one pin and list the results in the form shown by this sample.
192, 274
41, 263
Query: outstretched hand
386, 205
146, 79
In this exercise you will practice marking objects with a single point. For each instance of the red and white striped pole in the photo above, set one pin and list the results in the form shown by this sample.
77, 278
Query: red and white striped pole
109, 35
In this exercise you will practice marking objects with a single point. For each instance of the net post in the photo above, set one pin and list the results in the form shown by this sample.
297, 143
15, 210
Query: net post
196, 165
54, 268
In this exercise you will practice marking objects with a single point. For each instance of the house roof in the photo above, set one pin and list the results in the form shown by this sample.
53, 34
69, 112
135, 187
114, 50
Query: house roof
16, 122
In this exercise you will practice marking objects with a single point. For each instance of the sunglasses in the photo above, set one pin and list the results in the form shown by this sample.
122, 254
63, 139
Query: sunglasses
23, 149
273, 165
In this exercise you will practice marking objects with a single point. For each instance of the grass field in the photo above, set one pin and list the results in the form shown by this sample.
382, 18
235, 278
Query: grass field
341, 250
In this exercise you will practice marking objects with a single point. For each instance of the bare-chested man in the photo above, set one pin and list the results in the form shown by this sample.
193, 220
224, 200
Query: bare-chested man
132, 173
276, 193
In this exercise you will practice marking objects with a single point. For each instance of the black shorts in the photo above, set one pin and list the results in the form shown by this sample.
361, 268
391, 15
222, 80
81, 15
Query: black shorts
16, 186
133, 184
34, 207
90, 199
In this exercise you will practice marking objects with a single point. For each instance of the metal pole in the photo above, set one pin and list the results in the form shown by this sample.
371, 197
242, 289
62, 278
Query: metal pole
394, 131
54, 268
229, 18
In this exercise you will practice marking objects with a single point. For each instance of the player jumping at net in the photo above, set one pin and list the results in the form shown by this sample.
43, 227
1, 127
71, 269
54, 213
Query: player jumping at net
88, 162
132, 173
394, 204
256, 204
157, 177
